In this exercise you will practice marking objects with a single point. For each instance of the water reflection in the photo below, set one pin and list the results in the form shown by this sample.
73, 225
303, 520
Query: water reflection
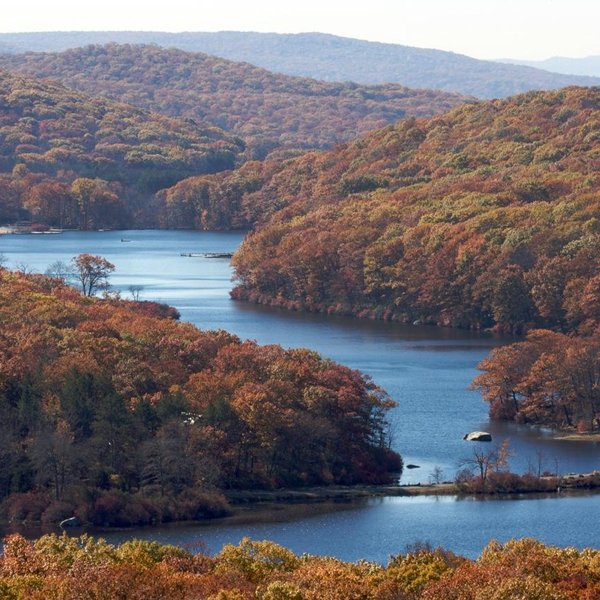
381, 527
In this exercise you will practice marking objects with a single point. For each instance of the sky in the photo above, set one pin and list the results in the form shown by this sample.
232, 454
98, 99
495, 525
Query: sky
523, 29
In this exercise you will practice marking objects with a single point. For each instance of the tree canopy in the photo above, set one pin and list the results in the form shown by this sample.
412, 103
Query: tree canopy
117, 411
487, 216
68, 568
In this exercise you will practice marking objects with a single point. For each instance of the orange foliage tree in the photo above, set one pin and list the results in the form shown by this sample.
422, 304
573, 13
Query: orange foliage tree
115, 410
74, 568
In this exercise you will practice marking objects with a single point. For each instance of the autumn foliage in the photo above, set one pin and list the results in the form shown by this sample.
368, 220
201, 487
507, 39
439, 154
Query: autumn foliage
71, 160
115, 413
549, 378
269, 111
487, 216
72, 568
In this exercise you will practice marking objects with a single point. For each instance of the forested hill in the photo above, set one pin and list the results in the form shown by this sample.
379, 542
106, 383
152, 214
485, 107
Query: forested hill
54, 142
487, 215
329, 57
114, 412
267, 110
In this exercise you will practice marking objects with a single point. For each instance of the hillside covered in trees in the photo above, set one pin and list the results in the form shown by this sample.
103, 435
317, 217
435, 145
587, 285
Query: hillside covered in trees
327, 57
73, 568
118, 413
73, 160
267, 110
487, 216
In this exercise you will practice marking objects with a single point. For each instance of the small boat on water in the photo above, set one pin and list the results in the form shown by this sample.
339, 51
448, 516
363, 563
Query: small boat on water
125, 240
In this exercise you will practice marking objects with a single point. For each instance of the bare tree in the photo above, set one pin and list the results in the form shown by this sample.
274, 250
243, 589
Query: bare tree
536, 467
135, 291
483, 462
437, 475
24, 268
59, 269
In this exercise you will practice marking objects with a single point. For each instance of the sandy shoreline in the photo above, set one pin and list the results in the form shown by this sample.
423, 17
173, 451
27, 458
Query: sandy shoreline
576, 437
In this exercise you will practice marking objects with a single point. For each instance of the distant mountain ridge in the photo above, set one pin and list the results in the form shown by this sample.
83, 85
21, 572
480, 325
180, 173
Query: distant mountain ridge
4, 48
329, 57
269, 111
587, 66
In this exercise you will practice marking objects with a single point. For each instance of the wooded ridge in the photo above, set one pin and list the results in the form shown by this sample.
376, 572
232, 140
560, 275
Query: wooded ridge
270, 112
51, 137
487, 216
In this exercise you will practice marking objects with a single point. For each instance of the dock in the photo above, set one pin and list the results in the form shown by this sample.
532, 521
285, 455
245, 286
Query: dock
208, 254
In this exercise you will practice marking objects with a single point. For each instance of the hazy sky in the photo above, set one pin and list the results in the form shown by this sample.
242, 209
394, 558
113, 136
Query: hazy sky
481, 28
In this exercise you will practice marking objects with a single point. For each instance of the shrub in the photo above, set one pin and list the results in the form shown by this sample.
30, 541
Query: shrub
26, 507
57, 511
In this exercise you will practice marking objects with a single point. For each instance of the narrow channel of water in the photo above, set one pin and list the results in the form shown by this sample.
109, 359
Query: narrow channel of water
427, 370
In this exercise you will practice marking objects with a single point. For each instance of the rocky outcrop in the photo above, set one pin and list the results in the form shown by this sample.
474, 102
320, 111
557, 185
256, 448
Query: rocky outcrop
478, 436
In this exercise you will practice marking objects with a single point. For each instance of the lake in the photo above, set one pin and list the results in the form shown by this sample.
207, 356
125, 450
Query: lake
427, 370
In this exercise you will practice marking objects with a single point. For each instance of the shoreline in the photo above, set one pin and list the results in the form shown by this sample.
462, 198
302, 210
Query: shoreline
337, 493
566, 484
573, 436
262, 506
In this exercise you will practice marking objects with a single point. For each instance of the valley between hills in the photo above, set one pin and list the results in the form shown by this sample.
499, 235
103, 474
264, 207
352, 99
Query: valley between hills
463, 206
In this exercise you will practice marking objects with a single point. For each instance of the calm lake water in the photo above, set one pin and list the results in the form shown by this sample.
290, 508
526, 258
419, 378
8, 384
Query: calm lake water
427, 370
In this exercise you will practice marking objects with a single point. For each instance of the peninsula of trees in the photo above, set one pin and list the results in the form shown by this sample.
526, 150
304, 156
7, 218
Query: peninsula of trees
487, 216
550, 379
116, 412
